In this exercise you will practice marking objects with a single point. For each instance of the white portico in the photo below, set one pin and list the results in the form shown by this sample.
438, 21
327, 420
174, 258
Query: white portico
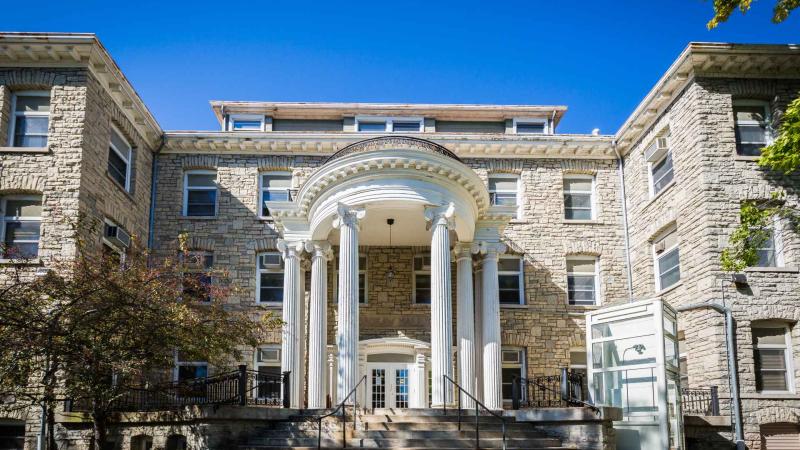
438, 202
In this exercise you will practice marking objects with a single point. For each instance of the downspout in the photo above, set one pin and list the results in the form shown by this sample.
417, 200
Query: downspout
733, 374
153, 181
629, 270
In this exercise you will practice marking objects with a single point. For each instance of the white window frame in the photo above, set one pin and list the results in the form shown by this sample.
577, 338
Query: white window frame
596, 274
769, 135
521, 365
121, 154
12, 126
245, 117
656, 256
261, 188
422, 271
281, 269
520, 273
651, 182
777, 241
517, 192
592, 201
363, 269
179, 363
200, 188
4, 220
788, 354
389, 123
531, 120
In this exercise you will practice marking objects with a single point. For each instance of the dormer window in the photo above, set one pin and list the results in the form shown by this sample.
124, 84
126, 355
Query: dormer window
368, 124
530, 126
241, 122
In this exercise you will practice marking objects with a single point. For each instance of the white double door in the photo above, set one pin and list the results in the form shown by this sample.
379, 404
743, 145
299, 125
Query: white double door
389, 385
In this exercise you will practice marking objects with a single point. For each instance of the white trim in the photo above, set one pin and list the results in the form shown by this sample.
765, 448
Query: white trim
4, 220
261, 189
200, 188
517, 192
596, 274
776, 230
389, 122
259, 271
120, 153
520, 273
531, 120
592, 199
658, 255
788, 353
245, 117
14, 113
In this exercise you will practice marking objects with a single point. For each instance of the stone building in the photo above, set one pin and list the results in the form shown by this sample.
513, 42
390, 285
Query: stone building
406, 242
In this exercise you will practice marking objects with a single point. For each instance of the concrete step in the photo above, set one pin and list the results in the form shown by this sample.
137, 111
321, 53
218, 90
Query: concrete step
447, 426
375, 418
351, 447
485, 443
441, 434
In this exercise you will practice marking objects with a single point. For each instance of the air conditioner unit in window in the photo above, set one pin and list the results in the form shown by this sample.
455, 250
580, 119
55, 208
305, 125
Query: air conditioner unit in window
656, 150
117, 236
272, 260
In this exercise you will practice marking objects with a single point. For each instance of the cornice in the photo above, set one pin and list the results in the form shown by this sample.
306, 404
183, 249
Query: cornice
558, 146
80, 50
711, 60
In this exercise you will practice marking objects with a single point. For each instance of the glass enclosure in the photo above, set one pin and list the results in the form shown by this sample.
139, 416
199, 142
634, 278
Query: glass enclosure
633, 350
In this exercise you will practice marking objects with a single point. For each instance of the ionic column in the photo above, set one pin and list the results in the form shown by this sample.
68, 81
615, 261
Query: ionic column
441, 304
318, 322
492, 373
291, 337
347, 330
465, 325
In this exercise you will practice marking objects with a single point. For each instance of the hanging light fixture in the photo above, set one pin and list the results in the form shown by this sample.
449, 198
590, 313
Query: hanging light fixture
390, 273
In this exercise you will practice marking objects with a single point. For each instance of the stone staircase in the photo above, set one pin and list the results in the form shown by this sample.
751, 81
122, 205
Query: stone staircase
407, 429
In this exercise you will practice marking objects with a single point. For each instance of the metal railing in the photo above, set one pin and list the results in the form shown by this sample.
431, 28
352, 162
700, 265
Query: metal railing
554, 391
700, 401
240, 387
478, 405
342, 406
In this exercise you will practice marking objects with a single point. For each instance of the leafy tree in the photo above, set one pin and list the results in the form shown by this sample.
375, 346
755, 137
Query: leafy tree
93, 326
724, 8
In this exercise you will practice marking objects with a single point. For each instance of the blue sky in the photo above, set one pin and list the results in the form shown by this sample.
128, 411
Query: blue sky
598, 59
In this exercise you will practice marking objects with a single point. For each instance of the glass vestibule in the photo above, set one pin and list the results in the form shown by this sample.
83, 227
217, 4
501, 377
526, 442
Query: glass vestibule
633, 365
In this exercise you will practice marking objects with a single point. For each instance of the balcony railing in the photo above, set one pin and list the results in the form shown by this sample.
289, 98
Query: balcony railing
701, 402
240, 387
555, 391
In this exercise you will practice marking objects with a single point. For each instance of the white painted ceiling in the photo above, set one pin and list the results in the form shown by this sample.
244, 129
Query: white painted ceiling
408, 229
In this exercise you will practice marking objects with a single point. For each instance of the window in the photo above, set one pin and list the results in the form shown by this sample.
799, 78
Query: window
770, 252
268, 366
188, 370
582, 281
509, 280
773, 357
141, 442
503, 190
200, 194
115, 241
513, 365
578, 198
20, 226
659, 163
269, 281
667, 258
197, 276
369, 124
245, 123
683, 360
422, 279
30, 120
119, 157
578, 366
274, 188
752, 126
530, 126
362, 278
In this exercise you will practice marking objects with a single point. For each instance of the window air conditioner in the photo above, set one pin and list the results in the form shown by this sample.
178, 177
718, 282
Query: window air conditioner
118, 236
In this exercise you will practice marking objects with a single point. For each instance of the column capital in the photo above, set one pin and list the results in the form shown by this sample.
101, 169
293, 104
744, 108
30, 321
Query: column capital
319, 249
441, 215
490, 249
290, 249
348, 215
464, 250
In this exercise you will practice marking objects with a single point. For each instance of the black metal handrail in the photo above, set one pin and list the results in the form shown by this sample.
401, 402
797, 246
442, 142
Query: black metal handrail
700, 401
552, 391
342, 406
478, 405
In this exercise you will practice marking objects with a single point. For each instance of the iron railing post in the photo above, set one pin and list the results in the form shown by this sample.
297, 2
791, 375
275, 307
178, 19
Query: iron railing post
564, 385
319, 433
515, 393
242, 385
477, 428
444, 397
459, 409
344, 424
287, 391
714, 401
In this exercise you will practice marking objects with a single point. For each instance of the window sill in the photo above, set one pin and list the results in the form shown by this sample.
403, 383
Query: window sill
420, 305
20, 262
583, 307
670, 289
270, 304
582, 222
746, 158
787, 269
199, 217
660, 193
268, 219
121, 188
24, 150
512, 306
